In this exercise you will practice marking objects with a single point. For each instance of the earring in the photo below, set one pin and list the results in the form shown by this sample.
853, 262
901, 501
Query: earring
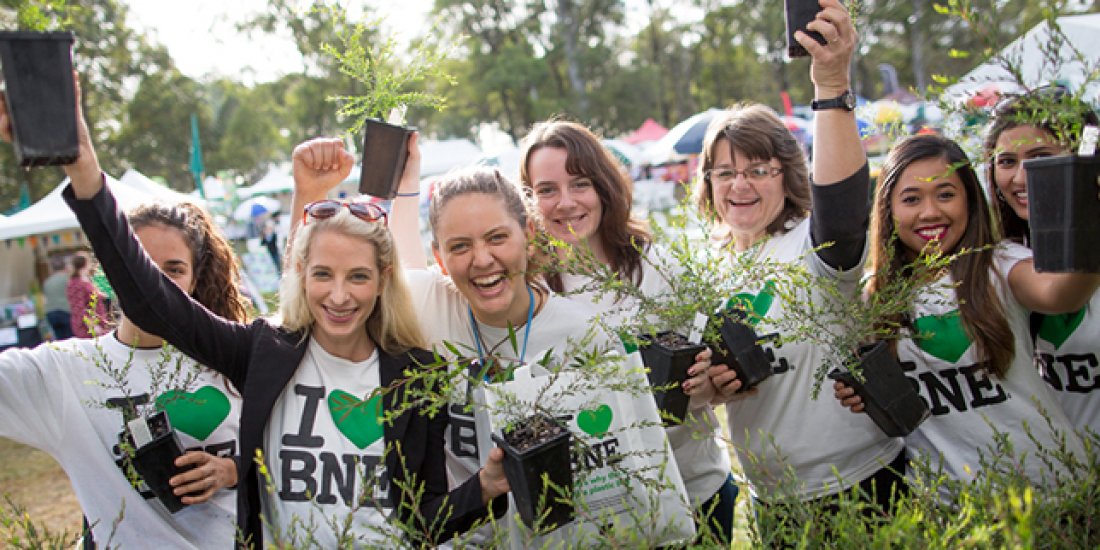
1000, 196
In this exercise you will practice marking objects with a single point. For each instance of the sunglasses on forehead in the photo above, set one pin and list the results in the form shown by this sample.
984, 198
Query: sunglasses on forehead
327, 208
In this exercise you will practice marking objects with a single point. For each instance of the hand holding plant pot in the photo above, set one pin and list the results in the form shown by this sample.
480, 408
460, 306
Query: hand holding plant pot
537, 463
1050, 89
860, 356
380, 109
38, 83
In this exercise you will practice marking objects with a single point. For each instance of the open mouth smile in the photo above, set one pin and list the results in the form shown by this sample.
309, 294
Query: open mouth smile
933, 233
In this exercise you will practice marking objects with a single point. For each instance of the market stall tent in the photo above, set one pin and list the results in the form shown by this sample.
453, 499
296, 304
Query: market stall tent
51, 214
136, 179
1027, 52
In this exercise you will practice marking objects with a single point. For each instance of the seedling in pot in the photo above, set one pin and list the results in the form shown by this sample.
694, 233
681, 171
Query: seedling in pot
739, 346
860, 353
668, 356
538, 465
888, 396
390, 86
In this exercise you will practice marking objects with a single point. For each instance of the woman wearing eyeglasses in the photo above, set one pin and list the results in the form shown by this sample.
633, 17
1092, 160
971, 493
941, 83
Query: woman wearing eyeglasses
318, 386
754, 180
1068, 344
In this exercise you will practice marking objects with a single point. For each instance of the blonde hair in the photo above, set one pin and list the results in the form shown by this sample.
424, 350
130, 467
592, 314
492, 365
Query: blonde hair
392, 325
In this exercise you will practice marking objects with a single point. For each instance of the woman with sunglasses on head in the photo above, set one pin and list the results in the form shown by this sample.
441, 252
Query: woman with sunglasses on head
1015, 135
755, 181
584, 199
58, 397
341, 471
929, 196
484, 287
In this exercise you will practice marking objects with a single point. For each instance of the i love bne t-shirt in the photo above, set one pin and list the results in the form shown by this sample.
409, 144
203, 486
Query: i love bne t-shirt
325, 449
54, 398
967, 402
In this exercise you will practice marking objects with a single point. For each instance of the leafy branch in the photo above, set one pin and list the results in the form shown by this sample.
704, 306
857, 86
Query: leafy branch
389, 80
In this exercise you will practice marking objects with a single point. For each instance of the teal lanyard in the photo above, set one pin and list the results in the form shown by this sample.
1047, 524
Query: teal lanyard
526, 329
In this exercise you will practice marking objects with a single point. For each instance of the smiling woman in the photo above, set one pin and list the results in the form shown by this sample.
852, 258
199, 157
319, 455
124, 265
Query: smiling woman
486, 290
585, 201
929, 194
340, 346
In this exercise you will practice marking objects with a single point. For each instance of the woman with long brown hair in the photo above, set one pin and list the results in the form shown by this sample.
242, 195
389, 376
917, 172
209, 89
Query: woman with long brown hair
584, 199
929, 197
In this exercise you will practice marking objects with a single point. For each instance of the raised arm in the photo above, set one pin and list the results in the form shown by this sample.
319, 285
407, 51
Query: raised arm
319, 165
841, 181
147, 296
838, 152
1051, 293
404, 213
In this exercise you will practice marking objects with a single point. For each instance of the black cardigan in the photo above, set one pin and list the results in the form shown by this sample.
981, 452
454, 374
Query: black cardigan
260, 360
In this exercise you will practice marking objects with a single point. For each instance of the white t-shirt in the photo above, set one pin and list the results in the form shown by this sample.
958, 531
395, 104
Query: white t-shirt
700, 454
966, 402
445, 317
1070, 346
327, 427
52, 398
781, 426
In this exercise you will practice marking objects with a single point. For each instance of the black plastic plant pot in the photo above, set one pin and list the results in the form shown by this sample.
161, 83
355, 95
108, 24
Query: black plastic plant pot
740, 350
798, 13
526, 464
1064, 213
385, 148
155, 463
668, 356
38, 80
889, 398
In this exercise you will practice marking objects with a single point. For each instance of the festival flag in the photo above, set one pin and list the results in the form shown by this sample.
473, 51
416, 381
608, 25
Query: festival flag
197, 168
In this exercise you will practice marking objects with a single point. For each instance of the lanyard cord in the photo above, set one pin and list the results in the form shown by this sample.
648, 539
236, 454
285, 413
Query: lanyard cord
526, 329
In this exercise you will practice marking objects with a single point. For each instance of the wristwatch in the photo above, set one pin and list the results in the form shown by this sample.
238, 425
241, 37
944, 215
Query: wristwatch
846, 101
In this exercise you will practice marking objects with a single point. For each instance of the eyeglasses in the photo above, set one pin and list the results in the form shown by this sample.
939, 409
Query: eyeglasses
327, 208
755, 173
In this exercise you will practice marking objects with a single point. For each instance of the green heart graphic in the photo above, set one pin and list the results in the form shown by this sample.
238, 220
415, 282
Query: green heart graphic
942, 336
196, 414
595, 422
1057, 328
359, 421
758, 303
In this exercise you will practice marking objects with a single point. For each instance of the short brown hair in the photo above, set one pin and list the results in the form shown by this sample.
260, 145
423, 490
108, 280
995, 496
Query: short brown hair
757, 132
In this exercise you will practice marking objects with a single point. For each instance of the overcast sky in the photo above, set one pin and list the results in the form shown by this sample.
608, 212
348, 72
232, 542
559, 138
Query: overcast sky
202, 38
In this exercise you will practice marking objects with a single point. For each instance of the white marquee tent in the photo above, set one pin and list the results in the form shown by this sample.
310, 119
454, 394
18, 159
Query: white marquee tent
45, 219
136, 179
278, 179
1027, 52
438, 157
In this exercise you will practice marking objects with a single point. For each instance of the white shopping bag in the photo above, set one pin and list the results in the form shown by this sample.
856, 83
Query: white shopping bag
626, 481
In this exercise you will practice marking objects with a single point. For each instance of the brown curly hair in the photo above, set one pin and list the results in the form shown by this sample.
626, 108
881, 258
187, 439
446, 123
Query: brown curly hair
217, 276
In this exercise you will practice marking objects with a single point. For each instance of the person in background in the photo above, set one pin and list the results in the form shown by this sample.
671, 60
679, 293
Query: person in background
1014, 136
269, 237
86, 321
55, 290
